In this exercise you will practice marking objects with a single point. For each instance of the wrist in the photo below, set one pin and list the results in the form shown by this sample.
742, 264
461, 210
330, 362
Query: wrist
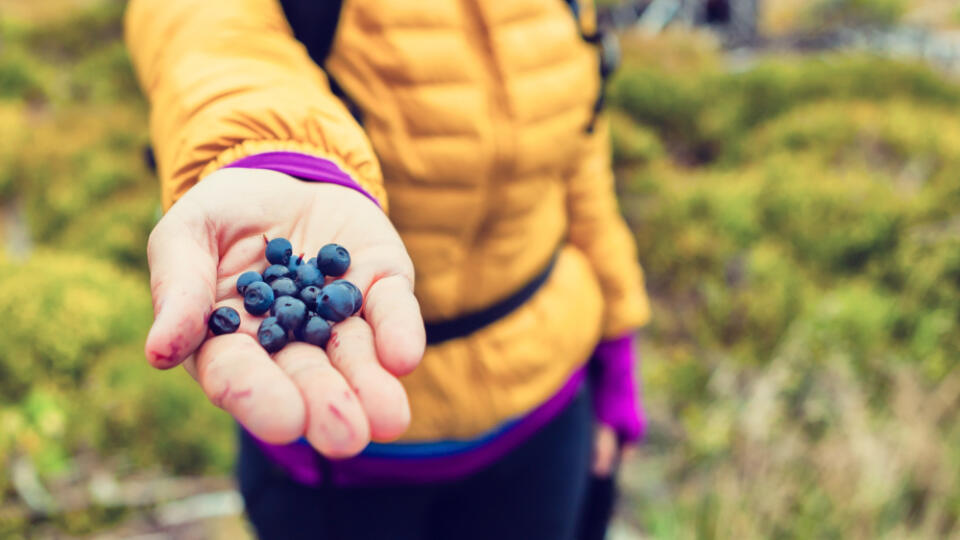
304, 167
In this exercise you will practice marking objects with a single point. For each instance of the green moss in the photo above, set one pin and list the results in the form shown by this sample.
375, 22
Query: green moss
799, 238
838, 12
704, 116
18, 77
56, 294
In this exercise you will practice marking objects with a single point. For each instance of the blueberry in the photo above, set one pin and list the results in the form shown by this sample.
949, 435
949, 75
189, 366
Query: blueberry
276, 271
307, 276
333, 260
271, 335
336, 302
278, 251
284, 287
247, 278
309, 296
315, 332
295, 262
313, 262
290, 312
357, 295
257, 298
224, 320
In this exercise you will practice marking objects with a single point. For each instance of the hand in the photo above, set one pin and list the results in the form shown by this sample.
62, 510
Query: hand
339, 399
607, 451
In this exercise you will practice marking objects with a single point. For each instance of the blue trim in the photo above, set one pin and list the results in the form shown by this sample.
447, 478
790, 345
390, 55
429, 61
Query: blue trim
431, 449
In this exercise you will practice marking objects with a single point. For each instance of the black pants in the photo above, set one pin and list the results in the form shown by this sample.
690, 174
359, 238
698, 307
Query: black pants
537, 492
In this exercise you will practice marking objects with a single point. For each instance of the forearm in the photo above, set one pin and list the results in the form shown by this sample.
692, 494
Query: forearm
597, 228
227, 80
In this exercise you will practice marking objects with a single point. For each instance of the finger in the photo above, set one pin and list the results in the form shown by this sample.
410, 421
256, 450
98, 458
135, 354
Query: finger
183, 270
336, 424
386, 278
394, 314
384, 400
239, 377
604, 451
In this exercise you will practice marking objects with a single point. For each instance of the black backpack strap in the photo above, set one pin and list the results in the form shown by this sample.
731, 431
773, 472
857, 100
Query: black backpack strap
608, 47
314, 24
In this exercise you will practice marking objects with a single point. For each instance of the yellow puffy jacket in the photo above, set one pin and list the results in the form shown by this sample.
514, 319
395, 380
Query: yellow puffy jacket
474, 111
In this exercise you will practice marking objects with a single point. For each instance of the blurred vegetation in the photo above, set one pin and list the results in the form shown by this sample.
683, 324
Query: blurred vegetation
796, 217
798, 225
73, 380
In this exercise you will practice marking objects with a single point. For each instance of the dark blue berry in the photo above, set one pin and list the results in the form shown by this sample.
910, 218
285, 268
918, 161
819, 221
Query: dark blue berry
276, 271
291, 313
224, 320
278, 251
247, 278
333, 260
313, 262
284, 287
257, 298
315, 332
309, 296
271, 335
307, 276
336, 302
357, 295
296, 261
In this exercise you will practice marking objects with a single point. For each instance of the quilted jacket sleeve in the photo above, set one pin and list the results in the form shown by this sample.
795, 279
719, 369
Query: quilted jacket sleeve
597, 228
227, 80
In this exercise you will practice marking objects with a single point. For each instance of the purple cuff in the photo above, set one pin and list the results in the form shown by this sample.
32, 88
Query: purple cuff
303, 166
616, 398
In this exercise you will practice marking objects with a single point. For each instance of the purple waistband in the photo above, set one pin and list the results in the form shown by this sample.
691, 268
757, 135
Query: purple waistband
302, 166
306, 466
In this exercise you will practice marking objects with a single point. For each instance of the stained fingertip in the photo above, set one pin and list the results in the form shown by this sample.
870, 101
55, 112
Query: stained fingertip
337, 426
176, 333
238, 376
260, 418
337, 436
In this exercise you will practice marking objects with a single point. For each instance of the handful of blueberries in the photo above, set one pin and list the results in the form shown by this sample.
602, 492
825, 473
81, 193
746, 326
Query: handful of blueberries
302, 305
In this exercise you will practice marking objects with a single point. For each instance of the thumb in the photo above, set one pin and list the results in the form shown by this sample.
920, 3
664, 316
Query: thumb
182, 254
605, 450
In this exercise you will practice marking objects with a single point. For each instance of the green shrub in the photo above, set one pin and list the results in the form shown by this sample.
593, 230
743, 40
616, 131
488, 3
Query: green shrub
73, 378
631, 142
18, 77
831, 13
105, 76
78, 32
800, 243
56, 294
707, 115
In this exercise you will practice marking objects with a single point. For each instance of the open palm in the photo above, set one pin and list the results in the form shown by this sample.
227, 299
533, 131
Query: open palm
339, 399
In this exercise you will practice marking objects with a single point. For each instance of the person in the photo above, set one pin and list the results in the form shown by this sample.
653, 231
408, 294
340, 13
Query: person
491, 366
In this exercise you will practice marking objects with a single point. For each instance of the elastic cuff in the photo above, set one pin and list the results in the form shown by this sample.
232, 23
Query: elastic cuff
363, 173
302, 166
